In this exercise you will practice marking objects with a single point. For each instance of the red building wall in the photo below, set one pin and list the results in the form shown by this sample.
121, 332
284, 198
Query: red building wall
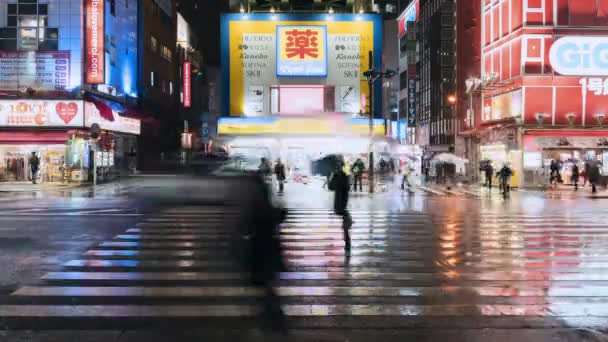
468, 58
517, 36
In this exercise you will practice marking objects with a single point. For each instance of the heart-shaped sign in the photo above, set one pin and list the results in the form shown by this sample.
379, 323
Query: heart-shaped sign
66, 111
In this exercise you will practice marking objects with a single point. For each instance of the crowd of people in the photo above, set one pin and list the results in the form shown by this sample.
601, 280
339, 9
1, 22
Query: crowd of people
590, 174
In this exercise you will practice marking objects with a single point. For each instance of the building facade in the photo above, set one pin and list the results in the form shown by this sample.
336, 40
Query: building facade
293, 84
437, 74
67, 75
543, 85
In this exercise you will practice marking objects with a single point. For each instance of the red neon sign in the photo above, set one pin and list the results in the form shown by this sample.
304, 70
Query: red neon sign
187, 86
95, 41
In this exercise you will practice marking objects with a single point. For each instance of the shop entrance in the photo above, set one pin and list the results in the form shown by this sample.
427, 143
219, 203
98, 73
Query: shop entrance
14, 162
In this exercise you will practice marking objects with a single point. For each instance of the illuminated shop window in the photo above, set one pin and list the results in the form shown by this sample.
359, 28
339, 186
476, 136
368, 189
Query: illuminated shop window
26, 28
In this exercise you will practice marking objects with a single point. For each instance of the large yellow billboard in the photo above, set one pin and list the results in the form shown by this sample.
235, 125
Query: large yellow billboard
263, 52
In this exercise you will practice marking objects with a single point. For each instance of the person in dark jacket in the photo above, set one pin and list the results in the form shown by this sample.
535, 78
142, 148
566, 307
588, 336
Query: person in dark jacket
504, 174
357, 170
266, 254
340, 184
593, 173
34, 162
575, 176
279, 171
489, 170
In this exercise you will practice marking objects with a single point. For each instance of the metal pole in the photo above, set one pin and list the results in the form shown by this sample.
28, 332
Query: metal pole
370, 84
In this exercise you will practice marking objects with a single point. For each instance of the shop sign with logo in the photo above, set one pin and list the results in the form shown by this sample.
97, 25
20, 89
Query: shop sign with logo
120, 124
580, 56
95, 41
409, 15
41, 113
302, 50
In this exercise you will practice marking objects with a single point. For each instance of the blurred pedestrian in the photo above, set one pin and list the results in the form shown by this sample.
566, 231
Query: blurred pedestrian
340, 184
264, 167
267, 257
504, 174
554, 175
34, 162
406, 175
575, 176
594, 175
358, 169
279, 171
489, 171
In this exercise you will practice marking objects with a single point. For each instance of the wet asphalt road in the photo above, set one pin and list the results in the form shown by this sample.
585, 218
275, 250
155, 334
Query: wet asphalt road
465, 266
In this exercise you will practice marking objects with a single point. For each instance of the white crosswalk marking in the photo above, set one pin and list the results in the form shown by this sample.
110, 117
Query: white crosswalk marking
183, 263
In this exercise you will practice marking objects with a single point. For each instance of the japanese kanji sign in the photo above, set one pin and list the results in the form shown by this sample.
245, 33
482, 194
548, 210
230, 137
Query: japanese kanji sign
302, 51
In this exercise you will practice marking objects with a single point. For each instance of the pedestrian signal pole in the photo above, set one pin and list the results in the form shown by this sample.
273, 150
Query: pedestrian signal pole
370, 84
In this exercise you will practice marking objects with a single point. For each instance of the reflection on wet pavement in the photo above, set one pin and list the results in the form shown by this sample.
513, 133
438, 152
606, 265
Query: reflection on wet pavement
530, 260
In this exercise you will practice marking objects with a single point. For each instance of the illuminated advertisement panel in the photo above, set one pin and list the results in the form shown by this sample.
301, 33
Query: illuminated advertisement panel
95, 41
411, 13
41, 113
39, 70
262, 53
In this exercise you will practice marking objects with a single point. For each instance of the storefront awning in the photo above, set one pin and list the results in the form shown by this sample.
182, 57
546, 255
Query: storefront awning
103, 106
136, 113
107, 109
35, 137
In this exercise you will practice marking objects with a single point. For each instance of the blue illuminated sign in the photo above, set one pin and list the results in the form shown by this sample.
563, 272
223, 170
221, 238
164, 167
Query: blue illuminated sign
580, 56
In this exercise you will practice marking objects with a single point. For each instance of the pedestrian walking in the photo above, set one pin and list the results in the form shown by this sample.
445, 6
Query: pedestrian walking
264, 167
575, 176
266, 254
406, 175
594, 175
555, 176
489, 170
279, 171
357, 170
340, 184
504, 174
34, 163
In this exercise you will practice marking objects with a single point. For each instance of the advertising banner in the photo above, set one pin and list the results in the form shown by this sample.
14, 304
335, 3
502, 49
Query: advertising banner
261, 53
410, 14
302, 51
503, 106
95, 41
187, 85
41, 113
120, 124
39, 70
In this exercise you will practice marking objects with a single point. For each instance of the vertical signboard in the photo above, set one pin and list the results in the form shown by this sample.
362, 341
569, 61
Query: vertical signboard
411, 102
187, 86
95, 41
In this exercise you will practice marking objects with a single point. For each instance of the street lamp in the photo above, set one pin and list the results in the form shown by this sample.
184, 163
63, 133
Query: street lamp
452, 99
